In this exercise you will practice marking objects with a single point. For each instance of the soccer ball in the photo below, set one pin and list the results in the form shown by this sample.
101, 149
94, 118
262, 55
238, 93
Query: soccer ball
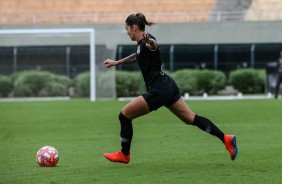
47, 156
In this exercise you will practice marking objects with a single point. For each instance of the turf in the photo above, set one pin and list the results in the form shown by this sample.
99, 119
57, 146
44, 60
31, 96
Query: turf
164, 150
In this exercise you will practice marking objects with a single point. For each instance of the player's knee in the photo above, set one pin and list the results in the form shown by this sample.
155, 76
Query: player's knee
190, 118
122, 116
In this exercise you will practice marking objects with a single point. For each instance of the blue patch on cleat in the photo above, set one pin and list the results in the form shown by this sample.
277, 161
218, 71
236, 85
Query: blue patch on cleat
235, 147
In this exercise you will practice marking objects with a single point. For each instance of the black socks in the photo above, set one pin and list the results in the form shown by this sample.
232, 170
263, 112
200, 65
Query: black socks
126, 134
207, 126
126, 131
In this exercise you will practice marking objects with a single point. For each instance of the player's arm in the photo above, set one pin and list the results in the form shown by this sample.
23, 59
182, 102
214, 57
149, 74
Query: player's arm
150, 42
129, 59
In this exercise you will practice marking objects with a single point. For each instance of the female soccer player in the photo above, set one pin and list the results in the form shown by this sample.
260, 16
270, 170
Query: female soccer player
161, 91
279, 75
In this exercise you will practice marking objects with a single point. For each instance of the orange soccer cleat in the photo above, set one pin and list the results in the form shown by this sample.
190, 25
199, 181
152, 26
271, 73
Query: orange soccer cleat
117, 157
231, 146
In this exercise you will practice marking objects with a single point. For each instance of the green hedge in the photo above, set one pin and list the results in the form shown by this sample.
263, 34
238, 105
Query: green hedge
106, 84
186, 81
198, 81
129, 83
40, 83
248, 80
195, 82
82, 84
211, 81
192, 81
6, 86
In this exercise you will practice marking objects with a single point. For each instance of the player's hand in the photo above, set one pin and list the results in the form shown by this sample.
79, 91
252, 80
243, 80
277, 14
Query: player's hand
109, 63
146, 38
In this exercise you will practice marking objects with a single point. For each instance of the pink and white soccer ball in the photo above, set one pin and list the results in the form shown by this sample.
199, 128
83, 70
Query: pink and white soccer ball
47, 156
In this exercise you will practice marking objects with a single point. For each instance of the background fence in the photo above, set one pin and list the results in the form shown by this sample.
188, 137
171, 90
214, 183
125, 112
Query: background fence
223, 57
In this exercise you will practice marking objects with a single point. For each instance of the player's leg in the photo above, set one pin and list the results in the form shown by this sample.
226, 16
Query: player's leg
280, 80
136, 108
277, 89
182, 111
132, 110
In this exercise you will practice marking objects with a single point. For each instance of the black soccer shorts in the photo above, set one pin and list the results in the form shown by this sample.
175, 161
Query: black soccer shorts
163, 95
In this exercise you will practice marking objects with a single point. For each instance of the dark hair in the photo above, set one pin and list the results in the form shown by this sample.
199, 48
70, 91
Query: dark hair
138, 19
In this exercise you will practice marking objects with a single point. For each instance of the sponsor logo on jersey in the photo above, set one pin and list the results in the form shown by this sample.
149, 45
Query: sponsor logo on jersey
138, 49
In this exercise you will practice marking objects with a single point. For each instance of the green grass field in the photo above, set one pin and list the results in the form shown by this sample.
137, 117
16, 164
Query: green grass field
164, 150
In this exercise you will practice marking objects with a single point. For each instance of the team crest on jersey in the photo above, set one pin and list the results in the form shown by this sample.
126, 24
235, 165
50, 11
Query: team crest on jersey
138, 49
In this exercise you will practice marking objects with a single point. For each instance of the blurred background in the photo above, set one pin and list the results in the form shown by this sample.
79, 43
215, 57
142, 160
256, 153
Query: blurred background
201, 35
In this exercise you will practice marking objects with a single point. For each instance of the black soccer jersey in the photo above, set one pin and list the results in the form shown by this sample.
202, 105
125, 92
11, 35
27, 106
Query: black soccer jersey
280, 66
149, 62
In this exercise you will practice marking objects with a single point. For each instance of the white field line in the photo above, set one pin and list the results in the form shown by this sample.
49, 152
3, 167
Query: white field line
238, 97
34, 99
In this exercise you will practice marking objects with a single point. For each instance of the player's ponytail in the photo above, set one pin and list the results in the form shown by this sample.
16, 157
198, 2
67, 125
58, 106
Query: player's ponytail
138, 19
143, 18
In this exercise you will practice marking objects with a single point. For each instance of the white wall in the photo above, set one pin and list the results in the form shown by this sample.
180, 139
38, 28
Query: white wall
181, 33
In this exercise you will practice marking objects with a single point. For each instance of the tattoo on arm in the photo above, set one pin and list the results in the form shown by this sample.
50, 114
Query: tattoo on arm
152, 44
129, 59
